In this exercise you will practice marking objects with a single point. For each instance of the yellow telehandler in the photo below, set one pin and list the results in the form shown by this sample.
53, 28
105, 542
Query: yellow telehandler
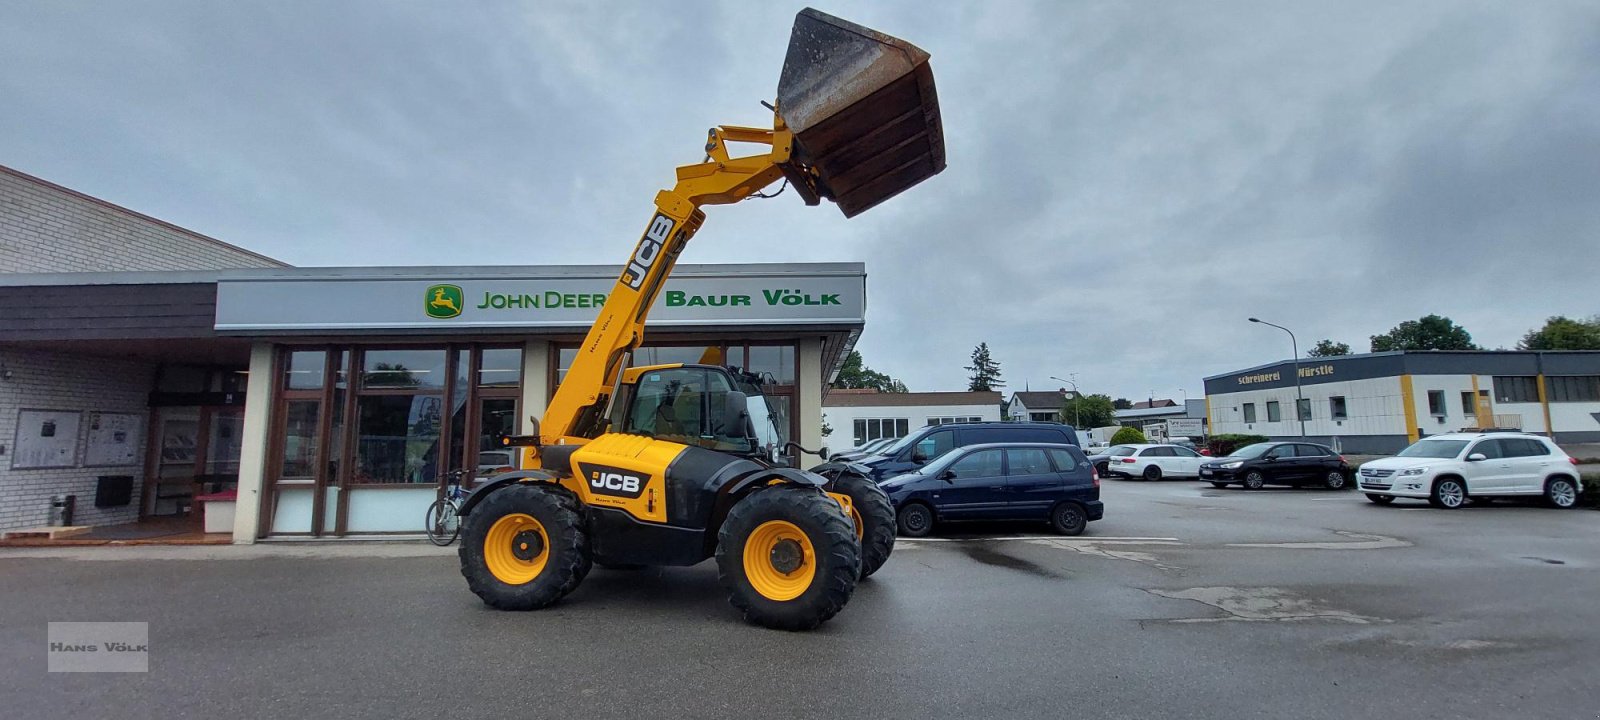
662, 465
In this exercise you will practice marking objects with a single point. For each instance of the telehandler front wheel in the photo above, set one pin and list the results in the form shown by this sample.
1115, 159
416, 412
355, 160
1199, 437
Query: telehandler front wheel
524, 547
788, 557
874, 519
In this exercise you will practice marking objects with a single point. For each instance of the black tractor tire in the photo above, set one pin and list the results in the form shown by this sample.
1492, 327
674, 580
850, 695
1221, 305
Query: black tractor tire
557, 520
1152, 473
1254, 480
1561, 493
1219, 485
915, 520
619, 567
1068, 518
875, 514
1448, 493
1380, 499
1335, 480
833, 557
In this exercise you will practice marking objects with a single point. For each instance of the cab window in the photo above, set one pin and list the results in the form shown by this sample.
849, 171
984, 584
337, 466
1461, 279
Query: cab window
685, 405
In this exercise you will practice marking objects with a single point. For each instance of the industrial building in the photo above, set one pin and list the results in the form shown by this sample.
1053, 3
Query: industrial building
1380, 402
855, 417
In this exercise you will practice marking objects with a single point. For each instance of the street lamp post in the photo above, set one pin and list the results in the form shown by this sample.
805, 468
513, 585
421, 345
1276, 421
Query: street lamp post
1075, 397
1299, 395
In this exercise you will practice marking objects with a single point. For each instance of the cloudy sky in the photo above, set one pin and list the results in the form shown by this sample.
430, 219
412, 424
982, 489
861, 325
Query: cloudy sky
1127, 181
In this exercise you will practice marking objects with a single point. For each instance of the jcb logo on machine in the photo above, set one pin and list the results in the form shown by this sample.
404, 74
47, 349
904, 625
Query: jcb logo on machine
655, 238
615, 481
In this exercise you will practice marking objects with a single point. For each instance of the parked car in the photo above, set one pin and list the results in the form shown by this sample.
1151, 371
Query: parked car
1153, 461
1279, 463
1190, 444
1452, 469
926, 444
999, 481
865, 449
1100, 458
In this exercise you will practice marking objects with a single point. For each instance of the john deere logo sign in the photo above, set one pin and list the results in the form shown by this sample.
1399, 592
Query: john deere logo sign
443, 301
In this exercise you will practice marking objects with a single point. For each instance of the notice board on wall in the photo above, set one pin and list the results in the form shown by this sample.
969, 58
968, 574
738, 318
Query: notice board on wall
46, 439
114, 439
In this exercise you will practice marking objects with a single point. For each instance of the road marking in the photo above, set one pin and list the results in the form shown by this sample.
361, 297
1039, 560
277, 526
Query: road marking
1362, 542
1093, 539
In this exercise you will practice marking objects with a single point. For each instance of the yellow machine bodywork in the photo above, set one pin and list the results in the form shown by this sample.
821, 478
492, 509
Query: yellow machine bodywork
856, 122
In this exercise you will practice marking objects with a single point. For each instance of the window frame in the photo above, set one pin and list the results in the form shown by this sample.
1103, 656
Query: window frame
1516, 389
1436, 406
1338, 407
1249, 411
1274, 411
1572, 388
346, 361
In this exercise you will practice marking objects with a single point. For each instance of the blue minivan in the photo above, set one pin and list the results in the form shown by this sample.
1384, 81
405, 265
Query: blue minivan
999, 481
928, 443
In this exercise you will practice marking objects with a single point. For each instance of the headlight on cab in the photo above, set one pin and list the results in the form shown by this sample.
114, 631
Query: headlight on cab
1235, 465
1413, 471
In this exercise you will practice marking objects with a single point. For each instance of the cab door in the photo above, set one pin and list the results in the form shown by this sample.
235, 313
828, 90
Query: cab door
974, 487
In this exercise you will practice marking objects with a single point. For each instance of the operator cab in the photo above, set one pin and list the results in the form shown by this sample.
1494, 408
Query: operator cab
706, 406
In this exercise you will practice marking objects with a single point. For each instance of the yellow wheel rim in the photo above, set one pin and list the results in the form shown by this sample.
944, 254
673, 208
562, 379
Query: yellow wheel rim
779, 560
855, 517
516, 549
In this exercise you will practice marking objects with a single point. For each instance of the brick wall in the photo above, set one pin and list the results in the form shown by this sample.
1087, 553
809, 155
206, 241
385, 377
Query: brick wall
48, 228
53, 381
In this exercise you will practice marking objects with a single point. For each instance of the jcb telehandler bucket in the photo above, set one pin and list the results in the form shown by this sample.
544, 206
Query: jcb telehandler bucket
863, 112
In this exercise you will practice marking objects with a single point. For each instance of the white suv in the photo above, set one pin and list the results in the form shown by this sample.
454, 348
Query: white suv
1450, 469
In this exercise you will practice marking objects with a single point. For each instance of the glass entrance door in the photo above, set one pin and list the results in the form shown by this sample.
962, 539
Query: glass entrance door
170, 491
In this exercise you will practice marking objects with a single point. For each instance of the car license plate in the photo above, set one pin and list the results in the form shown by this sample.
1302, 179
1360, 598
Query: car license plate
1205, 473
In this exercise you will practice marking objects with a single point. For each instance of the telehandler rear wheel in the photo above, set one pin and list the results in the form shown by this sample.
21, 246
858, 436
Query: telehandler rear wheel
524, 547
788, 557
874, 518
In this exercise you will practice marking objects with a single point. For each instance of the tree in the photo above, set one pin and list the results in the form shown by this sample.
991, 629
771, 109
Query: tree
1128, 436
1088, 411
985, 370
1563, 333
855, 375
1122, 404
1328, 348
1431, 332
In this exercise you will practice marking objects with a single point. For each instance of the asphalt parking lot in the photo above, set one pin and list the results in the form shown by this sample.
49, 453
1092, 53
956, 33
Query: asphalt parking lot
1185, 601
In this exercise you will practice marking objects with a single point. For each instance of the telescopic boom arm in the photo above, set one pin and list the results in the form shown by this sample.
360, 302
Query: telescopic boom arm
856, 122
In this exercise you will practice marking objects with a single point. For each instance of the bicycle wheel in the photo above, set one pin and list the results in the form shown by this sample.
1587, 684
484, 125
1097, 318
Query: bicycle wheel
442, 523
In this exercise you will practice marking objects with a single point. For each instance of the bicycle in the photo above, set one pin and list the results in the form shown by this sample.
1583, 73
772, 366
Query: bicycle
443, 521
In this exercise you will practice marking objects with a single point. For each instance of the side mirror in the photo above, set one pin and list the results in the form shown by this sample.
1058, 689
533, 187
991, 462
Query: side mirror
1477, 457
948, 476
735, 410
823, 453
